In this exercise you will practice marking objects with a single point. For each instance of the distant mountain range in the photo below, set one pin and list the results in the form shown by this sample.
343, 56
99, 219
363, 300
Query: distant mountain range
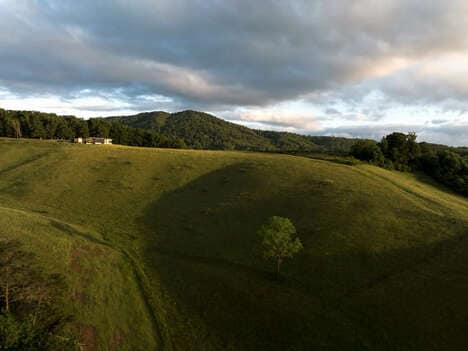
201, 130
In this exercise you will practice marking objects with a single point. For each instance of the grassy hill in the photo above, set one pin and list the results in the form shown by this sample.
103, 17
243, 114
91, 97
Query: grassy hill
158, 248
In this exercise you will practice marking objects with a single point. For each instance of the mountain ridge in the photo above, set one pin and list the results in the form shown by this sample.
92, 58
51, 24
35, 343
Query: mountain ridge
202, 130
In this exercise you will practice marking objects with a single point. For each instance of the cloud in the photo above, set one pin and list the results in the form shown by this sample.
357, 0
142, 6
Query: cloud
361, 59
279, 116
86, 103
239, 52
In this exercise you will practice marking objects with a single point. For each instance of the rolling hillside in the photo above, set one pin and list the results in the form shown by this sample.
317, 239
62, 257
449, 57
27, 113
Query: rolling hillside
158, 246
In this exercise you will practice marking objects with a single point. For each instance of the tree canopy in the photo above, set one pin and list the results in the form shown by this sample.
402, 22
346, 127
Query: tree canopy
278, 240
368, 150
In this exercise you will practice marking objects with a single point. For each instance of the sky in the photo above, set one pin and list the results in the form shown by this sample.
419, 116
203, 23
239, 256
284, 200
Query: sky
360, 68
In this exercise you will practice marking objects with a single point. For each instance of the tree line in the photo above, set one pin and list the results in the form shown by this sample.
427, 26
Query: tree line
39, 125
401, 152
187, 129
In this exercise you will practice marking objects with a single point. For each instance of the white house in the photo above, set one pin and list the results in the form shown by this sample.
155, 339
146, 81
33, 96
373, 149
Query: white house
93, 140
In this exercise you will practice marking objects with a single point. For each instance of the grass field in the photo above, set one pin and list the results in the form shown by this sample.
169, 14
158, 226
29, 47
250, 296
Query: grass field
158, 248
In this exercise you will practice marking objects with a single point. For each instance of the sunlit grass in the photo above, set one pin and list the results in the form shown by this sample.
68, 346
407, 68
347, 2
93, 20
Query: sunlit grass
167, 242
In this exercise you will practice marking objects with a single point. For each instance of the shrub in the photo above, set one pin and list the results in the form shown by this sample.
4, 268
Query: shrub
368, 150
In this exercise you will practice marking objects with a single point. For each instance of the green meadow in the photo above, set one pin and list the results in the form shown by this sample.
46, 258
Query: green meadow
158, 247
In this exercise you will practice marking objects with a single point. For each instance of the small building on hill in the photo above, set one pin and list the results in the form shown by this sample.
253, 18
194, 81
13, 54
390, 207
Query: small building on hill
93, 140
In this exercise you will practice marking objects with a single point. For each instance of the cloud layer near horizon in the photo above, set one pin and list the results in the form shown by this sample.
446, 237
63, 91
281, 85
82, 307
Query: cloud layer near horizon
359, 68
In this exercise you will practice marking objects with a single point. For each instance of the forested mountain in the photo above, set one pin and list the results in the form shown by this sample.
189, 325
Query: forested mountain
199, 130
204, 131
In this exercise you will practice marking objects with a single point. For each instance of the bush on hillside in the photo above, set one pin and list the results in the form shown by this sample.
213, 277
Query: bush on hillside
402, 149
369, 151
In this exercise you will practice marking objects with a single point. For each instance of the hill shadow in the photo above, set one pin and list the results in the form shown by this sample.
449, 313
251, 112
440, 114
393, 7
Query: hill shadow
223, 296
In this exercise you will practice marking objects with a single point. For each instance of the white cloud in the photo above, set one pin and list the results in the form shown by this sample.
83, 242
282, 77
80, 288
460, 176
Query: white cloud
306, 66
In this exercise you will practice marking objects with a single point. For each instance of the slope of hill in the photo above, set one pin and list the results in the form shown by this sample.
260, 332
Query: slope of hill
165, 243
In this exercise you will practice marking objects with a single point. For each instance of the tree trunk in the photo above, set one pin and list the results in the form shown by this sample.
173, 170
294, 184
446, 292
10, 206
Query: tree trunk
278, 265
7, 297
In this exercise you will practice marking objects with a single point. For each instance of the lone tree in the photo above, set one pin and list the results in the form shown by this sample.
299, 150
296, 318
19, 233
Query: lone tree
278, 241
